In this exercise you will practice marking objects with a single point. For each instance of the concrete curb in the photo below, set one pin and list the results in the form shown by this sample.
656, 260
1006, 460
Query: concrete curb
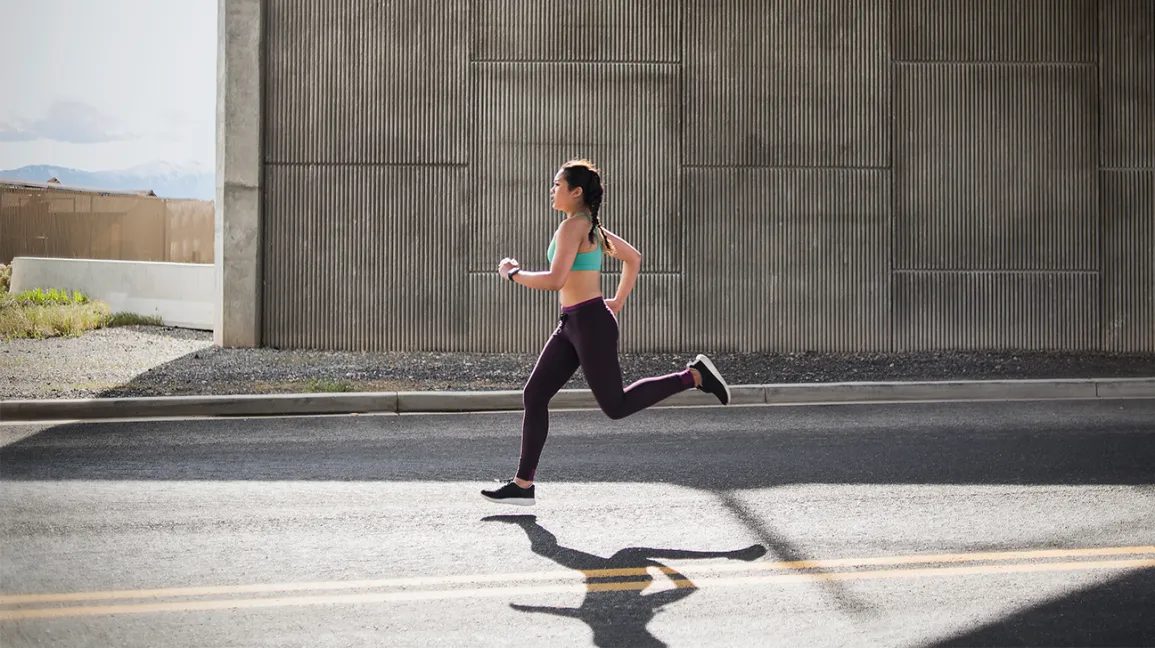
487, 401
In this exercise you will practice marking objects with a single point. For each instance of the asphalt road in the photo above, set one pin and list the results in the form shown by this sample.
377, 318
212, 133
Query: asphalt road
990, 524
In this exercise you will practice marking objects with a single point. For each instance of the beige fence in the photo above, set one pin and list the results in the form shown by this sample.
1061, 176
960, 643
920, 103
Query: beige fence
80, 224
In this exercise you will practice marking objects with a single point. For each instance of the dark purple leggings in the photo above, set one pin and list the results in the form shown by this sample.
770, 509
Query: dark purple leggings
586, 337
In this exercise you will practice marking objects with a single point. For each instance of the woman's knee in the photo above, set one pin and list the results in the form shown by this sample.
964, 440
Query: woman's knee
614, 408
533, 398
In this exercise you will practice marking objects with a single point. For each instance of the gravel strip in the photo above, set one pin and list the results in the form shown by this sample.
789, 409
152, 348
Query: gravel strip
160, 361
93, 363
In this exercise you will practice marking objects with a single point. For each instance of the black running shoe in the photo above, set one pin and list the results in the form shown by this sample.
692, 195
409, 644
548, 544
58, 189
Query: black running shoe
510, 493
712, 382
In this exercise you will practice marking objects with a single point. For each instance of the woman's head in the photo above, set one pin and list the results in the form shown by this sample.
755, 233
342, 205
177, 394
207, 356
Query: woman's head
577, 187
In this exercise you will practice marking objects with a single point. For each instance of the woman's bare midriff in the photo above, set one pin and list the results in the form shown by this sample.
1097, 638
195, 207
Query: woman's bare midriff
580, 286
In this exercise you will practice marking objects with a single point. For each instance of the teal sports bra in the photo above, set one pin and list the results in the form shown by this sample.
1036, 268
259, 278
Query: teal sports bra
591, 260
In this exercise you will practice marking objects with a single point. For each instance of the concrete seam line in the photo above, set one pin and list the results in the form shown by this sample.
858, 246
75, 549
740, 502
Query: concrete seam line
1125, 387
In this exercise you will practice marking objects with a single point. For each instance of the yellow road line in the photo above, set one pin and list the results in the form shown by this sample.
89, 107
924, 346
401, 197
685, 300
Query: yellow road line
879, 574
379, 597
1033, 554
473, 579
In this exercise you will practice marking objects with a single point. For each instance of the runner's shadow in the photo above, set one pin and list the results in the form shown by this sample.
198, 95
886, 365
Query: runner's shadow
614, 606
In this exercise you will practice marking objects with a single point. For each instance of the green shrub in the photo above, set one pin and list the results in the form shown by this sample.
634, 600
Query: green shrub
41, 297
5, 278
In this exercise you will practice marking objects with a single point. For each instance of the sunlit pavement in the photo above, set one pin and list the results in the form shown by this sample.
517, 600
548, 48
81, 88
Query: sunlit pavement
898, 525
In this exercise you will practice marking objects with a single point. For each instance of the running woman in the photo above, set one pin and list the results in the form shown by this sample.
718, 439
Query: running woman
587, 332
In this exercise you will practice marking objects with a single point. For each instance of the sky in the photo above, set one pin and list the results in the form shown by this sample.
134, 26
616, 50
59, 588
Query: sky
108, 84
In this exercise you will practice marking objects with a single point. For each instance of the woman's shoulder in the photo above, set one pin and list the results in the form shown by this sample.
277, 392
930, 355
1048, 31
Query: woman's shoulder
575, 223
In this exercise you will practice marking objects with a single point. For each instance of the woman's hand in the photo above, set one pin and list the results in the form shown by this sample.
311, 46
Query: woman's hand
614, 305
505, 266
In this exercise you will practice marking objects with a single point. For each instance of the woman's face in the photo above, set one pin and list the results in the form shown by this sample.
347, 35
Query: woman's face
562, 196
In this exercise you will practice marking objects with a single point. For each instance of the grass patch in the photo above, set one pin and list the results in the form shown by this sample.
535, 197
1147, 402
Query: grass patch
38, 314
50, 320
325, 385
132, 319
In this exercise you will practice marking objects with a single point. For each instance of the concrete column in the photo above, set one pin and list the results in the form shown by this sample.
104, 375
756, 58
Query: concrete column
237, 315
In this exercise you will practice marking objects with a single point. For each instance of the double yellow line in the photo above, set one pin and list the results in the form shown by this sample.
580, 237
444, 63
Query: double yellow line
450, 587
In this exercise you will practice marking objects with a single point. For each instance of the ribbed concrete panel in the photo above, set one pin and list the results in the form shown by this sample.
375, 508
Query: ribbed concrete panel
995, 30
832, 282
786, 83
366, 81
995, 167
528, 122
786, 260
729, 276
651, 321
1128, 260
559, 30
363, 258
1127, 83
508, 318
996, 310
800, 175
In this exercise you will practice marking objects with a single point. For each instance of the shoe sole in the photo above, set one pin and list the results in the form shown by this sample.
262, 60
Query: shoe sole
717, 376
515, 502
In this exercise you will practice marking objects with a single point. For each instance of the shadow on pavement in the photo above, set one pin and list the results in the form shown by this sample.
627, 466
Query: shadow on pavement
1117, 613
617, 610
786, 551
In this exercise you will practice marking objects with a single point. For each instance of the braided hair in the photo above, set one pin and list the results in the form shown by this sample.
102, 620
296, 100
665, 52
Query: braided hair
582, 173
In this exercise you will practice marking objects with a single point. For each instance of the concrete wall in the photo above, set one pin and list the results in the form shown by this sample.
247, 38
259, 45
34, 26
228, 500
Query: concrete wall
853, 175
180, 293
237, 229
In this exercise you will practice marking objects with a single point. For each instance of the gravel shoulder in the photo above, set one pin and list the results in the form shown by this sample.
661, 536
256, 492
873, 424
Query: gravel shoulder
161, 361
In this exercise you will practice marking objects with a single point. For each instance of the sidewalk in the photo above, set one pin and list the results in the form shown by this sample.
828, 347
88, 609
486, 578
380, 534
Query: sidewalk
156, 371
416, 402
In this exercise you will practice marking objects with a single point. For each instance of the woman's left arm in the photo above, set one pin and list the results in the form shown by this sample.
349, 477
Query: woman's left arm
631, 265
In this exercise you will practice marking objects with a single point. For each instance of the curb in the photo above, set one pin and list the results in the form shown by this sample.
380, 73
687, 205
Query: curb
490, 401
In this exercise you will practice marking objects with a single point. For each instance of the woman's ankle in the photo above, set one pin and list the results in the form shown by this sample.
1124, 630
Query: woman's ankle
524, 483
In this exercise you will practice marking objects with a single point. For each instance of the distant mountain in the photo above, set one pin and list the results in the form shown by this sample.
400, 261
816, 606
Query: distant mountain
164, 179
